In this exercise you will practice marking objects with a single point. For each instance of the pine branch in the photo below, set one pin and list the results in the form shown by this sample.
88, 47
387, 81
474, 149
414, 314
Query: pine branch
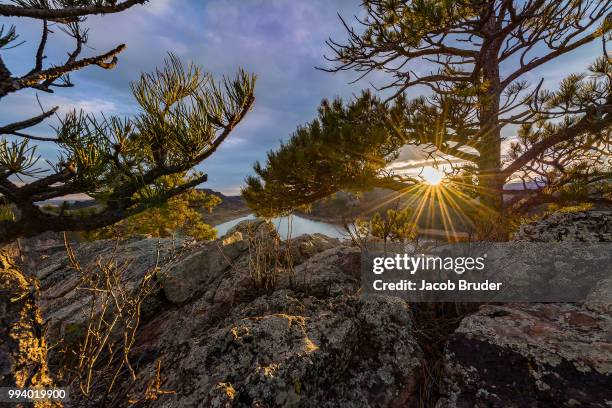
38, 221
53, 73
66, 14
586, 124
14, 128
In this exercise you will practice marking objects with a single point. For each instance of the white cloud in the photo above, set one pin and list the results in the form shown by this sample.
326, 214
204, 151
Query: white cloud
94, 105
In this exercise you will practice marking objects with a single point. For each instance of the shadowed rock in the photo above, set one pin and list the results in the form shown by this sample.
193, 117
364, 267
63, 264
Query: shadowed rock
311, 341
536, 355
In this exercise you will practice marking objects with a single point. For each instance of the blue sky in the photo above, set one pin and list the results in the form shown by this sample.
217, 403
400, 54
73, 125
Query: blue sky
279, 40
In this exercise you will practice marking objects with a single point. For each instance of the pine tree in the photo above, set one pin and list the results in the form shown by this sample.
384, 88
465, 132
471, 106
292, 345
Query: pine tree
472, 58
347, 148
184, 116
181, 214
124, 163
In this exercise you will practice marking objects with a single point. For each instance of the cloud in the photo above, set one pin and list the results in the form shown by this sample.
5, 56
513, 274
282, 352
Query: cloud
281, 41
160, 8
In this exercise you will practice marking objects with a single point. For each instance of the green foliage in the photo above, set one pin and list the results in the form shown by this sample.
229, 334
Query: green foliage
133, 164
182, 109
394, 226
412, 21
181, 214
7, 36
6, 213
347, 147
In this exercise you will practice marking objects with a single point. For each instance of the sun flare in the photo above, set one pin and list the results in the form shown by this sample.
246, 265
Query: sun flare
432, 176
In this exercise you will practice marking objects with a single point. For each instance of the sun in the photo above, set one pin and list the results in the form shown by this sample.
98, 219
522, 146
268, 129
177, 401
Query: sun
432, 176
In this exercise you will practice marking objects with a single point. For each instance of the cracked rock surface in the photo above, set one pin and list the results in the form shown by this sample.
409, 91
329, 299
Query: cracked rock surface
311, 341
536, 355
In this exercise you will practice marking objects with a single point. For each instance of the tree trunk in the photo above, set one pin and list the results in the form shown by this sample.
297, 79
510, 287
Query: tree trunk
489, 164
23, 350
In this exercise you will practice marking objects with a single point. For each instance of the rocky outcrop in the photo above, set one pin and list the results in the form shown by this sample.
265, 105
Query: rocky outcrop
66, 306
530, 355
222, 341
584, 226
536, 355
309, 338
285, 349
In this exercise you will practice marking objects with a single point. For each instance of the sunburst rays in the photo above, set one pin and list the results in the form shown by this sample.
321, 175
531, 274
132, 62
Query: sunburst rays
439, 205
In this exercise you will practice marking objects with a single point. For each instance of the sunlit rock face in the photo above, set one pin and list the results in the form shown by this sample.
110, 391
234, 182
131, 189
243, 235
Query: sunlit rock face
536, 355
312, 340
223, 341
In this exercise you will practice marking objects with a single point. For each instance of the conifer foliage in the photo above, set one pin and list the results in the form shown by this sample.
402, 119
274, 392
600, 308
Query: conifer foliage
184, 116
473, 63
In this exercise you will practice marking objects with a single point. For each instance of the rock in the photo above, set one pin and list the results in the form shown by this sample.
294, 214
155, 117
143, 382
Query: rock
281, 350
311, 340
222, 395
584, 226
199, 269
598, 299
529, 355
305, 246
255, 228
536, 355
332, 272
66, 305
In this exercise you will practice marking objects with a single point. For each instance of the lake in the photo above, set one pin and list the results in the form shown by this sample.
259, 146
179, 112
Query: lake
299, 226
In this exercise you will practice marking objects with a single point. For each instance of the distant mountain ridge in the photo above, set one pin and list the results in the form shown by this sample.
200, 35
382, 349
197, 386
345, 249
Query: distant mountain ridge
231, 207
336, 209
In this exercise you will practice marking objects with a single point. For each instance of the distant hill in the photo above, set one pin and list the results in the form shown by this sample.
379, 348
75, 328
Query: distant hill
74, 204
231, 207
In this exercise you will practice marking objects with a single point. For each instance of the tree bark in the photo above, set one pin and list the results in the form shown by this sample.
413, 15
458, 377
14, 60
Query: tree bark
489, 163
23, 350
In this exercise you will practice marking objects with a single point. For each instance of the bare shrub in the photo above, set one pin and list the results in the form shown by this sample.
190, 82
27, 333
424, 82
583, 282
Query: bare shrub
269, 257
97, 360
265, 262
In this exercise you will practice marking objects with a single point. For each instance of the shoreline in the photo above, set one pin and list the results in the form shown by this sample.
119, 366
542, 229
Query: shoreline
423, 232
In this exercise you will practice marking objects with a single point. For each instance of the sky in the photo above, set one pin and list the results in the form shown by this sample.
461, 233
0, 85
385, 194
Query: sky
281, 41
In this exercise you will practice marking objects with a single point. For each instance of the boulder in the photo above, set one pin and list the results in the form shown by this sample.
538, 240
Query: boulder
283, 350
305, 246
530, 355
583, 226
197, 270
331, 272
536, 355
257, 228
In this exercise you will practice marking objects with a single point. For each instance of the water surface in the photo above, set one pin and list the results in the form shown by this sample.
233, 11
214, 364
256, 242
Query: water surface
293, 225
